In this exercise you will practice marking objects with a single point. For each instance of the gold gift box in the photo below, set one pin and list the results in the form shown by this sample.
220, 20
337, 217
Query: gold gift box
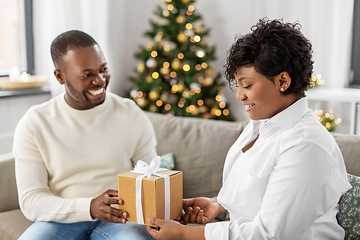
152, 195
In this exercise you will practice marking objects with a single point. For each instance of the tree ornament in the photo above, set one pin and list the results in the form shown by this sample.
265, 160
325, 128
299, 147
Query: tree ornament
176, 64
141, 102
186, 93
208, 81
198, 29
153, 95
174, 75
181, 37
180, 19
140, 67
167, 47
181, 87
164, 71
151, 63
149, 79
165, 13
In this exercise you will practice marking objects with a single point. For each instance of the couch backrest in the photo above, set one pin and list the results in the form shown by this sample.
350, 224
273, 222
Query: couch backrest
199, 147
350, 149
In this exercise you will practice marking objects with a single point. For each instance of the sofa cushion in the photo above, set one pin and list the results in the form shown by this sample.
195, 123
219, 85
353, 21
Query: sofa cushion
8, 201
199, 147
13, 224
349, 209
350, 149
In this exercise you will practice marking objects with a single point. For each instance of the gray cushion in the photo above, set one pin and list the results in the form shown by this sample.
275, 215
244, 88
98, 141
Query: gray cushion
350, 149
199, 147
13, 224
8, 201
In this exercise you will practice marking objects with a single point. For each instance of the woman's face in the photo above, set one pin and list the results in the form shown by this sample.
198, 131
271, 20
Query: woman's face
262, 98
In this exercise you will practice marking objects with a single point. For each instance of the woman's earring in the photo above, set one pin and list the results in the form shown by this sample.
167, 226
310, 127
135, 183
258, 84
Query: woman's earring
282, 89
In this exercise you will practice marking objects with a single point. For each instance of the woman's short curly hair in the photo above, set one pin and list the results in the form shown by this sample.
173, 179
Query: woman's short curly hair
271, 48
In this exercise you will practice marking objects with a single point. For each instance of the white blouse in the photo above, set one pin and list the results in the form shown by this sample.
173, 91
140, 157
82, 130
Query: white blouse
287, 185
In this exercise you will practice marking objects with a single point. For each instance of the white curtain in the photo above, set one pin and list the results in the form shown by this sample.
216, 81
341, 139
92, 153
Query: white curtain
102, 19
118, 26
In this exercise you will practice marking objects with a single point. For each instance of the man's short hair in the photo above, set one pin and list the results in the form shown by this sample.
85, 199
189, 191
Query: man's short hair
67, 40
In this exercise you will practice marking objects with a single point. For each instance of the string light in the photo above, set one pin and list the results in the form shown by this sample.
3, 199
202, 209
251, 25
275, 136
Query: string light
188, 26
170, 7
155, 75
159, 103
186, 67
173, 74
200, 53
154, 53
167, 107
166, 64
174, 88
140, 94
180, 55
197, 38
204, 65
165, 13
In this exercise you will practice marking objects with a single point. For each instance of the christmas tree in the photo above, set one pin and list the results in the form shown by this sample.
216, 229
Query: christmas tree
173, 73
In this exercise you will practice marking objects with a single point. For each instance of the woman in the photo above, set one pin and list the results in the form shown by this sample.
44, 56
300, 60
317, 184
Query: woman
285, 174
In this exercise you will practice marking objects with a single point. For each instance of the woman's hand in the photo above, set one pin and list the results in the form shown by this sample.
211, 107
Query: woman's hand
202, 210
174, 230
100, 208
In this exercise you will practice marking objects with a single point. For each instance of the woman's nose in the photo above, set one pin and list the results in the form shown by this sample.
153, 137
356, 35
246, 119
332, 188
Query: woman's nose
240, 96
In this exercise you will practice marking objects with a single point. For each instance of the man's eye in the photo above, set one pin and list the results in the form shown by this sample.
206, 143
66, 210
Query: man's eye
104, 70
247, 87
87, 75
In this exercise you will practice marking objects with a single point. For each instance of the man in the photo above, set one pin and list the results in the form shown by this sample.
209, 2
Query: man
70, 149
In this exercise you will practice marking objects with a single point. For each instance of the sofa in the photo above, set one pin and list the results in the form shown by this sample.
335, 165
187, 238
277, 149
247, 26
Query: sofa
199, 148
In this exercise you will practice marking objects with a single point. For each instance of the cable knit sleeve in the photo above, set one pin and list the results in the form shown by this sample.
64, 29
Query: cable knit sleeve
36, 201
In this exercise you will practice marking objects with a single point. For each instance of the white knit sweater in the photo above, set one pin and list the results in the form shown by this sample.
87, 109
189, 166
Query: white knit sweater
65, 157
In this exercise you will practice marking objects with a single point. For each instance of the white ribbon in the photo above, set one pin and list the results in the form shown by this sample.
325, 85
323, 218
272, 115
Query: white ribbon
148, 170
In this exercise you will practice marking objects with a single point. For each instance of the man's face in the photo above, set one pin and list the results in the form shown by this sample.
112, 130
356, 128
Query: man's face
85, 75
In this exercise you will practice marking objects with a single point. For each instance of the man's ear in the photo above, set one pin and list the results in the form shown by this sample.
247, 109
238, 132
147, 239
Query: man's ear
59, 76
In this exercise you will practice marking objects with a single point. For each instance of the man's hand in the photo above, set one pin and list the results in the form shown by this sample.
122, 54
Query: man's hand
202, 210
100, 208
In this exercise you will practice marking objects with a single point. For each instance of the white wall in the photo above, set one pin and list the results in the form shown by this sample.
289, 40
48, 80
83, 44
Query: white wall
118, 26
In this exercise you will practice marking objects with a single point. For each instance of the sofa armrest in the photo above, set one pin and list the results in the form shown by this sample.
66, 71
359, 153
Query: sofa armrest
8, 191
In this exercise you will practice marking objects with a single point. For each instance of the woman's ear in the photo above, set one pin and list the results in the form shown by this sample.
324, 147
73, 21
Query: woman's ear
59, 76
283, 80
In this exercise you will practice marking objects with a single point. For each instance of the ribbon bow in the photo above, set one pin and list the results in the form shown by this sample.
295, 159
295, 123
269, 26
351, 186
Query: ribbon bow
146, 171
